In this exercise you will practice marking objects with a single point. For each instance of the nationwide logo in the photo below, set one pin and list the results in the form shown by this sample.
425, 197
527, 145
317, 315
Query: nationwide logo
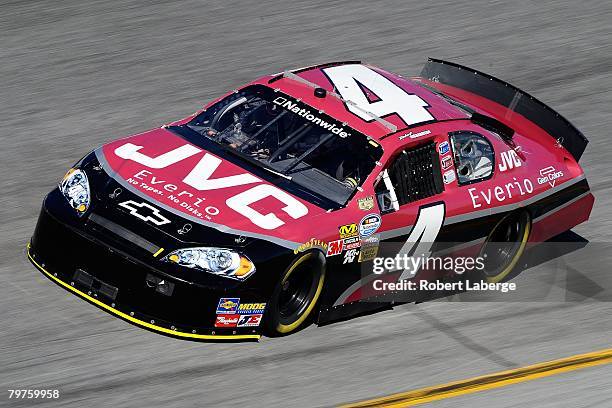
228, 305
549, 175
309, 116
369, 224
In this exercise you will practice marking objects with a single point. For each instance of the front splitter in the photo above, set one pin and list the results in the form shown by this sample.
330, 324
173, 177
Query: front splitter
193, 335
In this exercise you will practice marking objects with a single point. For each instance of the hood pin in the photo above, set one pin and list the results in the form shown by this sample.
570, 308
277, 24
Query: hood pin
115, 193
186, 228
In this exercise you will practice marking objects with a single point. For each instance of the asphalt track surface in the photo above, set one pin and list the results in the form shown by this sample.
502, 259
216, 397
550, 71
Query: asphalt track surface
74, 74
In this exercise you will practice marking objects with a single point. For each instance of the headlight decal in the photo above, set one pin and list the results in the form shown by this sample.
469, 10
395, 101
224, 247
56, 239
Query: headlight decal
218, 261
75, 187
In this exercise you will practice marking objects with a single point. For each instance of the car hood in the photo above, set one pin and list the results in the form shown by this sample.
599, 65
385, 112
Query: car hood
166, 170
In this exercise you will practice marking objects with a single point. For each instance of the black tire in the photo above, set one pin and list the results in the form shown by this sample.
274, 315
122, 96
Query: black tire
505, 246
295, 295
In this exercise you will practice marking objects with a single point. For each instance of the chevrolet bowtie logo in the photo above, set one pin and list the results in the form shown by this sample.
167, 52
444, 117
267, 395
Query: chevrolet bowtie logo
145, 212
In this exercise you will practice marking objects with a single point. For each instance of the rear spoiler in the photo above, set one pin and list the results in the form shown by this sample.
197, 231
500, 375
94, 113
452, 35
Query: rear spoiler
510, 97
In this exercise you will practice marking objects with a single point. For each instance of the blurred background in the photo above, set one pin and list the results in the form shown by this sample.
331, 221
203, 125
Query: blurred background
75, 74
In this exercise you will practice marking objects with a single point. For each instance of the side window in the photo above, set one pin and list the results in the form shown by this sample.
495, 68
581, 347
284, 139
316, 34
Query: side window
413, 174
473, 155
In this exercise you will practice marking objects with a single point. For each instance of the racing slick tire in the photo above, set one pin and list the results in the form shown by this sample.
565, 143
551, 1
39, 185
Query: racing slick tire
504, 246
295, 295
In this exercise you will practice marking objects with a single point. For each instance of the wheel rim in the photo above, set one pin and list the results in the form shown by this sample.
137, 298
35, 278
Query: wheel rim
505, 245
297, 292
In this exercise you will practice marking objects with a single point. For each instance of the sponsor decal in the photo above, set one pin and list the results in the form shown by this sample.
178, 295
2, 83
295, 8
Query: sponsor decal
415, 135
366, 203
251, 308
335, 247
369, 225
228, 305
348, 230
368, 253
352, 243
443, 148
193, 204
145, 212
369, 249
200, 178
252, 320
500, 193
230, 320
304, 112
549, 175
509, 160
374, 239
350, 255
447, 162
313, 243
449, 176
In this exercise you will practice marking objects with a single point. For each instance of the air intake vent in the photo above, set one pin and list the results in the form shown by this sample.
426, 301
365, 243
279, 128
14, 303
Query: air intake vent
415, 174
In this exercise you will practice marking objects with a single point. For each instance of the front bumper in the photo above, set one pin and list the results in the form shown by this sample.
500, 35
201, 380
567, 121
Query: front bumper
117, 283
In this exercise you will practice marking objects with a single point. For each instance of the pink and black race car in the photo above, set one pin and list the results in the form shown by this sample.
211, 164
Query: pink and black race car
269, 208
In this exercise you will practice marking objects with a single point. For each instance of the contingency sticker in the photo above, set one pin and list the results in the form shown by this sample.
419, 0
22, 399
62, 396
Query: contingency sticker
228, 305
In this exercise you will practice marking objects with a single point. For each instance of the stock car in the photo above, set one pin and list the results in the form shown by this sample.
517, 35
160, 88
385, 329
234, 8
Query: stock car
265, 210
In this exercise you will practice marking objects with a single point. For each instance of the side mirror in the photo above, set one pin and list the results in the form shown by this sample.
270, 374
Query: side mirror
385, 203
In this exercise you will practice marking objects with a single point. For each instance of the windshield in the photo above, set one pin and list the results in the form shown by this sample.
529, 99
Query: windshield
292, 139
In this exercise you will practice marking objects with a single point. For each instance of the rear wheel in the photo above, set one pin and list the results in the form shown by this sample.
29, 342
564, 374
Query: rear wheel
295, 295
505, 245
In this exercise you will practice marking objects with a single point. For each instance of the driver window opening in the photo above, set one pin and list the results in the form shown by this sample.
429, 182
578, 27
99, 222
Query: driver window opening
473, 156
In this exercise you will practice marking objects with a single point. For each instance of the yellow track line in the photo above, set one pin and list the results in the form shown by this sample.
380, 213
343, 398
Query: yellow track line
490, 381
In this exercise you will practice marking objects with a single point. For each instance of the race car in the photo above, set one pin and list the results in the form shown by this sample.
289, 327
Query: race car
267, 209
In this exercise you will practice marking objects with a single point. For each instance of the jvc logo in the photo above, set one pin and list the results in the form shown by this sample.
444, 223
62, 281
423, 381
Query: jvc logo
145, 212
200, 178
509, 160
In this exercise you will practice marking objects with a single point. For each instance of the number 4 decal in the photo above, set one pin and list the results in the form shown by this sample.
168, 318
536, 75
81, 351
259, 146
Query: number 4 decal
350, 81
423, 234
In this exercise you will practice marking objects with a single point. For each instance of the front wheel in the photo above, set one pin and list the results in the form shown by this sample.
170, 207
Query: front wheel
295, 295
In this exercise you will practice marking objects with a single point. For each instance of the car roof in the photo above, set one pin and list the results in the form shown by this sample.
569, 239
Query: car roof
300, 84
